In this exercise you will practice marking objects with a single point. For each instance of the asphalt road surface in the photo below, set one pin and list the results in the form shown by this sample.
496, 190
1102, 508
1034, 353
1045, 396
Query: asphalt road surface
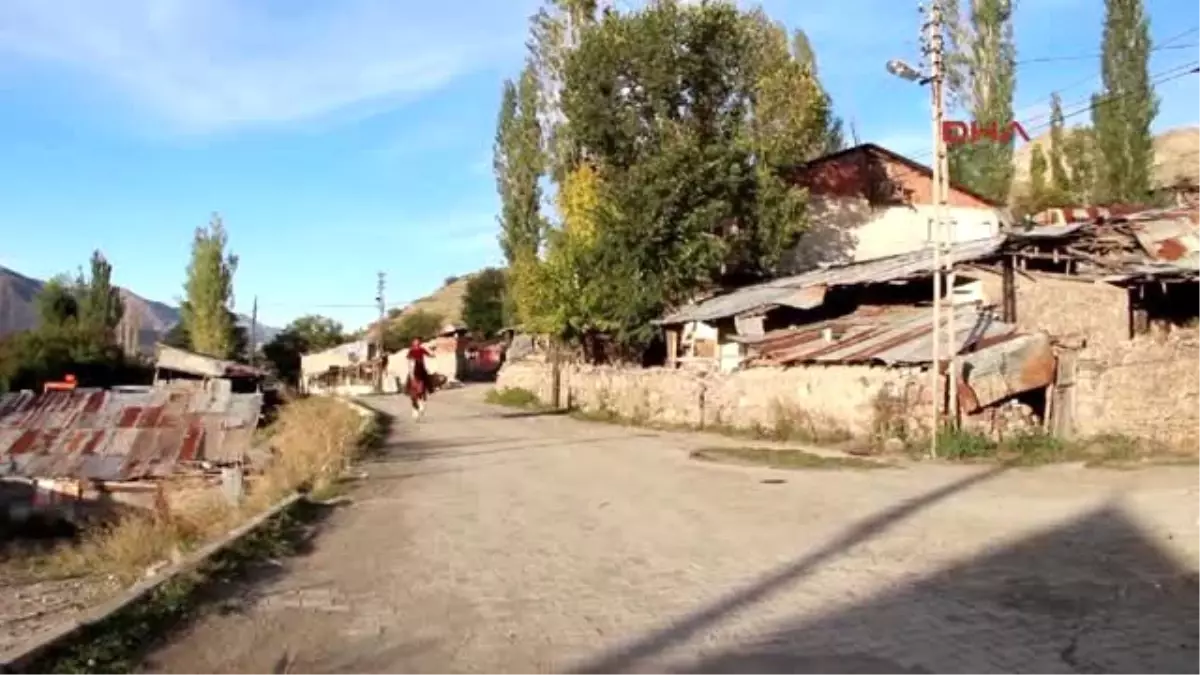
494, 540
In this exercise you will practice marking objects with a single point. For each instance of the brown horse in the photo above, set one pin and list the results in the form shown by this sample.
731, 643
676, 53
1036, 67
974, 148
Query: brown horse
418, 394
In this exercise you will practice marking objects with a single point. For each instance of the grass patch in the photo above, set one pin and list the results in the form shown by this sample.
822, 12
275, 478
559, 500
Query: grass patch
1035, 447
513, 397
117, 644
783, 458
313, 441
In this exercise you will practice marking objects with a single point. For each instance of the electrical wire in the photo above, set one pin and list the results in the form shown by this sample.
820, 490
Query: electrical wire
1097, 55
1033, 125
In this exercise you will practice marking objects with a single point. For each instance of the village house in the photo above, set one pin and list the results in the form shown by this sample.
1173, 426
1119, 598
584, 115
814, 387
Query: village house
868, 202
350, 369
174, 366
1120, 295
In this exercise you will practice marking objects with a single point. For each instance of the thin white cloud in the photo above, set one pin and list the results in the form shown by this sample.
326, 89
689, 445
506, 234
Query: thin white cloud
208, 65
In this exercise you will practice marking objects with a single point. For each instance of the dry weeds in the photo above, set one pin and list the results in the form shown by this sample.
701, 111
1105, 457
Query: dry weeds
313, 441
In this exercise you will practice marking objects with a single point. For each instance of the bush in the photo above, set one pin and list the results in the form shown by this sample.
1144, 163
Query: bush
513, 397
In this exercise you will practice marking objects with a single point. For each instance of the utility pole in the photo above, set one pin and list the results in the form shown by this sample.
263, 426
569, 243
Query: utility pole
254, 332
933, 47
379, 350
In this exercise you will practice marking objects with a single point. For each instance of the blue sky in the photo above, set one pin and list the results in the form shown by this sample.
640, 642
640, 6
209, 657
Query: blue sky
342, 138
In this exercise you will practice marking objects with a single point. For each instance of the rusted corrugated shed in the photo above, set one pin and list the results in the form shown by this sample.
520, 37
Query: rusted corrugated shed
886, 335
801, 290
998, 361
120, 435
171, 358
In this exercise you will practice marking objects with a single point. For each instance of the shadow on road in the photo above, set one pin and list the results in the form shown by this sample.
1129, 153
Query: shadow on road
1095, 595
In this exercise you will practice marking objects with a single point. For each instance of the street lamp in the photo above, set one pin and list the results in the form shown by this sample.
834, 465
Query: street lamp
935, 78
906, 72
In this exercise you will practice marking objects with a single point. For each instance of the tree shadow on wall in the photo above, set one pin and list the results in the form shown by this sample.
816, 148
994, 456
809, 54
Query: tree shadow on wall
1094, 595
865, 185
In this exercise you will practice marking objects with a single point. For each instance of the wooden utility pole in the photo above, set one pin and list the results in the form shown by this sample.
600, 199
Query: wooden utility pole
934, 49
379, 349
254, 332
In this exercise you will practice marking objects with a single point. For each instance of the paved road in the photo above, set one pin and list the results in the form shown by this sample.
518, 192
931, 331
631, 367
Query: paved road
489, 540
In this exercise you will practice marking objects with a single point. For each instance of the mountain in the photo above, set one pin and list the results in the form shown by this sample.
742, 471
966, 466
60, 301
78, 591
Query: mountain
153, 319
1175, 158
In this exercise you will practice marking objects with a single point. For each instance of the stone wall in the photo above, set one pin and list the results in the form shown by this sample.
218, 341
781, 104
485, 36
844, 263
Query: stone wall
831, 402
1065, 308
1146, 388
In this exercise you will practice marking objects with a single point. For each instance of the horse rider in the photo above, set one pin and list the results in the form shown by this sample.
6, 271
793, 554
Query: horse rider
417, 368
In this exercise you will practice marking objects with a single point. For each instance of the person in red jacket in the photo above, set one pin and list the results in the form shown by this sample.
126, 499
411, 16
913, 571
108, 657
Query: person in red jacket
416, 357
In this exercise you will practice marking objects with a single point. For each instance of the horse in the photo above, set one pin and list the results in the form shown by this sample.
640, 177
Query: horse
417, 393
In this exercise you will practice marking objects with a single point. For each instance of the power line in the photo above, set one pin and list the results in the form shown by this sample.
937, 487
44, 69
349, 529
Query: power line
1030, 125
1091, 78
1093, 55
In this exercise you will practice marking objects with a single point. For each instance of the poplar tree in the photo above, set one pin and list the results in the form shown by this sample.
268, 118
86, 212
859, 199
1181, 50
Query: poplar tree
1059, 178
1123, 111
207, 317
981, 63
519, 163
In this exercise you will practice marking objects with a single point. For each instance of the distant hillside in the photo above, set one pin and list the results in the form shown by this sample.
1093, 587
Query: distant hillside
446, 302
18, 311
1177, 158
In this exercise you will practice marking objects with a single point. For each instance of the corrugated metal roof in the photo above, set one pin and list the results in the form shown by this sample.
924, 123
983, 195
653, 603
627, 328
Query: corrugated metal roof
1170, 235
1048, 231
172, 358
784, 291
998, 362
123, 435
891, 336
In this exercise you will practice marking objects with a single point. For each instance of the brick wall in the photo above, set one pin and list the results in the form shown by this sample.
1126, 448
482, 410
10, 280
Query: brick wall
857, 174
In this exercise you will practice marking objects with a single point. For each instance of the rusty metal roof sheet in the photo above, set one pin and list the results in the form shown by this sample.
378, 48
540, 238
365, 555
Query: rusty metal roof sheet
998, 361
123, 435
786, 291
890, 336
172, 358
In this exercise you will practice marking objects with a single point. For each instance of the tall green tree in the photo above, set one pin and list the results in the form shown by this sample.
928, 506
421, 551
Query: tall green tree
1123, 112
207, 316
981, 74
555, 30
1079, 152
57, 303
802, 52
1037, 172
1059, 178
100, 306
484, 302
681, 118
519, 164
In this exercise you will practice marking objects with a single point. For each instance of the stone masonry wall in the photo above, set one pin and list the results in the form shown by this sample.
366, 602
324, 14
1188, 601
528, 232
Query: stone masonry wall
831, 402
1146, 388
1065, 308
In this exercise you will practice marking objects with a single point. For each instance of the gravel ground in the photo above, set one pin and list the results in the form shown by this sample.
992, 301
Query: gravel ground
494, 540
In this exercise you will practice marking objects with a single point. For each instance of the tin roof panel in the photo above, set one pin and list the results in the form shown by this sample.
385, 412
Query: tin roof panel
121, 435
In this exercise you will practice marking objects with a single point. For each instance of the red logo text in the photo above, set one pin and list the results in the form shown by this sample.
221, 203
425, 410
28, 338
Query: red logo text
957, 133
